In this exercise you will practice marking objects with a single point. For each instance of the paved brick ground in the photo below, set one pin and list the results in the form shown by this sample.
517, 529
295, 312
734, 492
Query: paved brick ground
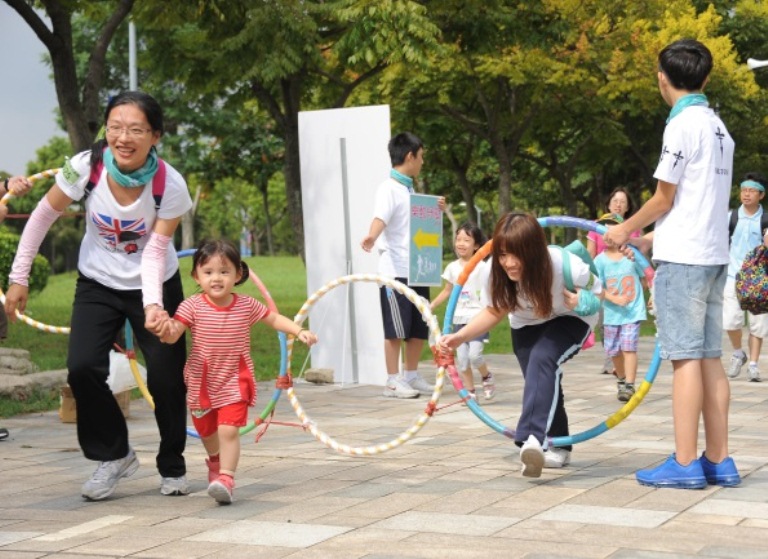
453, 490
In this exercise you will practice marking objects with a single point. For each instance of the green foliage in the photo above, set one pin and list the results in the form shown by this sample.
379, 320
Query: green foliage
41, 269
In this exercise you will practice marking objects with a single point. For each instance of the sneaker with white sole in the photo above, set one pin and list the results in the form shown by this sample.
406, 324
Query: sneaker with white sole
754, 373
736, 364
556, 457
174, 486
398, 388
418, 383
532, 457
489, 388
104, 480
221, 489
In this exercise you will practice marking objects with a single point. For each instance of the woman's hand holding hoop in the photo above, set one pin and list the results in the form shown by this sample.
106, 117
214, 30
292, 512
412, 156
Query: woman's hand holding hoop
16, 300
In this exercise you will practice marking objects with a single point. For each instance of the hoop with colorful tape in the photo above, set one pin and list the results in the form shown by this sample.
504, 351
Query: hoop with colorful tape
612, 420
25, 319
421, 420
50, 173
270, 303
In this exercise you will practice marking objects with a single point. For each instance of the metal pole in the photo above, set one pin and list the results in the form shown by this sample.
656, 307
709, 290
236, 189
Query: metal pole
133, 82
348, 243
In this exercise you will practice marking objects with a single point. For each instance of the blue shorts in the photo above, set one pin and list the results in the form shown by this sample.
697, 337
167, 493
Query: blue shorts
689, 310
623, 337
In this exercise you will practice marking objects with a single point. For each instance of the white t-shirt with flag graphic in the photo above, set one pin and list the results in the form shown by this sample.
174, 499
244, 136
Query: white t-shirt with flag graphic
115, 235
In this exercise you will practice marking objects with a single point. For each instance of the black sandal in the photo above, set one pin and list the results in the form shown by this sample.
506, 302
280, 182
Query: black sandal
3, 433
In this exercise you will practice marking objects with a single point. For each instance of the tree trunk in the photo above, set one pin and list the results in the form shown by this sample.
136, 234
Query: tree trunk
292, 167
267, 217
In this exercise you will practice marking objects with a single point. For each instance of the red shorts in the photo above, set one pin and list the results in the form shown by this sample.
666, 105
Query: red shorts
232, 414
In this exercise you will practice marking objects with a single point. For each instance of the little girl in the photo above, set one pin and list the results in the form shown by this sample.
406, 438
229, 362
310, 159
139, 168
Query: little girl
549, 326
469, 238
219, 370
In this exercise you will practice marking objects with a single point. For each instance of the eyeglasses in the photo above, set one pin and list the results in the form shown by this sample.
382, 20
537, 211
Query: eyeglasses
117, 131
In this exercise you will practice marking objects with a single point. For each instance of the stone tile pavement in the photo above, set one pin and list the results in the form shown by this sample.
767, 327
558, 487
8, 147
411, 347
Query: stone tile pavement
453, 490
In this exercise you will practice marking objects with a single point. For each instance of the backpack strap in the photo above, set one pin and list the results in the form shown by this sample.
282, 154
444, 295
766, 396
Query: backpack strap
734, 218
567, 277
93, 179
158, 181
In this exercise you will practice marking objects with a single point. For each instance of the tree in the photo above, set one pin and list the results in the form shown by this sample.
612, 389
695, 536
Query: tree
326, 50
78, 96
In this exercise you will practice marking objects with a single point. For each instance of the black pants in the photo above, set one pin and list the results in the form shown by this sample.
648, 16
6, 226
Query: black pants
541, 349
98, 314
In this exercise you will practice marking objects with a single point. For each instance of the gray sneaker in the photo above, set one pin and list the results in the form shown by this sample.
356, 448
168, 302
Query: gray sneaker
174, 486
421, 385
398, 388
736, 364
104, 480
754, 373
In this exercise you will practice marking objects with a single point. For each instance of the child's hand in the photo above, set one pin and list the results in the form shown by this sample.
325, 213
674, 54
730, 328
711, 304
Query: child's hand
308, 337
619, 299
170, 334
571, 299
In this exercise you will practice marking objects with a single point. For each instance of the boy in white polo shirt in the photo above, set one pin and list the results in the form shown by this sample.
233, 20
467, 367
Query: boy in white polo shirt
391, 222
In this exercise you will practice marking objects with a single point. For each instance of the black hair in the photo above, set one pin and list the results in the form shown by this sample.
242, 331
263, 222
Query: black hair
403, 144
208, 248
630, 202
686, 63
757, 177
473, 231
145, 102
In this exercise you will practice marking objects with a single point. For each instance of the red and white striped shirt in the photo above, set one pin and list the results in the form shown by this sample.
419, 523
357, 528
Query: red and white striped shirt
219, 369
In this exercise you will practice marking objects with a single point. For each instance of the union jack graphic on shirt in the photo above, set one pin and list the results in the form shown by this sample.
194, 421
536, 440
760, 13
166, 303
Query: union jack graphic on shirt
116, 231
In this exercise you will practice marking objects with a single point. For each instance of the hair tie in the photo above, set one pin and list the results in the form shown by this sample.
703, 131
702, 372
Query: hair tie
245, 273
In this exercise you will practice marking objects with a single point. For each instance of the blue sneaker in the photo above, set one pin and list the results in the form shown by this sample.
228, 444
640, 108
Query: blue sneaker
673, 475
724, 473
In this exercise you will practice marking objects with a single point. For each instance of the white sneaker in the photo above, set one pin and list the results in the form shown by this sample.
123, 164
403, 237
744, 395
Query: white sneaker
104, 480
556, 458
754, 373
418, 383
532, 457
174, 486
736, 364
398, 388
489, 388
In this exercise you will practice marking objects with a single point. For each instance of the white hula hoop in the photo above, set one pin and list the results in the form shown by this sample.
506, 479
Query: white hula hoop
421, 420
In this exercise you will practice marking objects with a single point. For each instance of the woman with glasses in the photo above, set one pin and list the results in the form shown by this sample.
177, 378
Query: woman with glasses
128, 270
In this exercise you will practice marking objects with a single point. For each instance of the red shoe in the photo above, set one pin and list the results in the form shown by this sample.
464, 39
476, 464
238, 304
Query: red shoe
213, 470
221, 489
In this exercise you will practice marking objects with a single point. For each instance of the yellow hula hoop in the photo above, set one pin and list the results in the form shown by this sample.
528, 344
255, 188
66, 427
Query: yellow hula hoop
429, 318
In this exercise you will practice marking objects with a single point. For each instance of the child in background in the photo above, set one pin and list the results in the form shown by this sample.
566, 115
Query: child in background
624, 312
469, 239
219, 370
549, 326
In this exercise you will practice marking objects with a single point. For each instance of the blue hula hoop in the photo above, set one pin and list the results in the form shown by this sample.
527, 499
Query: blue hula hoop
612, 420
